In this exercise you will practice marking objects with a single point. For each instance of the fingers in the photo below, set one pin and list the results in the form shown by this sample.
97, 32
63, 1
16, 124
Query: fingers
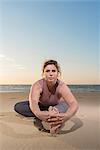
55, 122
53, 114
54, 119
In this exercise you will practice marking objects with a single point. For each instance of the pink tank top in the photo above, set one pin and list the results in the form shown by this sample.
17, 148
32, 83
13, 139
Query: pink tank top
48, 98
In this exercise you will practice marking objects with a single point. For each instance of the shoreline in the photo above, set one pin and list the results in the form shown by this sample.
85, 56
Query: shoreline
29, 91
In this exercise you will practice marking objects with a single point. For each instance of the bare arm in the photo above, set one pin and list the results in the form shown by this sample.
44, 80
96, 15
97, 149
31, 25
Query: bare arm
34, 98
63, 117
71, 101
33, 101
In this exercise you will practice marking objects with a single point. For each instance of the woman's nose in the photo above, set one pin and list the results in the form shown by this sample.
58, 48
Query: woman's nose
51, 73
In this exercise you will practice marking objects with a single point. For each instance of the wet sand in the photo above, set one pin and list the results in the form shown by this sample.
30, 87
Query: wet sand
81, 132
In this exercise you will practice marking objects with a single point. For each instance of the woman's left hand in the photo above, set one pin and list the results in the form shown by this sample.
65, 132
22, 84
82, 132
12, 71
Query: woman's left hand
59, 119
63, 116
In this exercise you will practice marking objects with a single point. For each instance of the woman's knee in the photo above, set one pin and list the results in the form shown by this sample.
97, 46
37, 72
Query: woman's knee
17, 107
23, 109
20, 106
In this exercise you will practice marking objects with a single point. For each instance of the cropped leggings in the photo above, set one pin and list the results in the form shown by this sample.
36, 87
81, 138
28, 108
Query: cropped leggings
24, 109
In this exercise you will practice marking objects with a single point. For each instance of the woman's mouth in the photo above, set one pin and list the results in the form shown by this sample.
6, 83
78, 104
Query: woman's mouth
50, 78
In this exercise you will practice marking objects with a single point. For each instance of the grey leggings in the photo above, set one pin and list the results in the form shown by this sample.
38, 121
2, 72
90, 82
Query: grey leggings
24, 109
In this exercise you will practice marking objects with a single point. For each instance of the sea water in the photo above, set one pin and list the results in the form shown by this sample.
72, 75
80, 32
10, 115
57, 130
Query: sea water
26, 88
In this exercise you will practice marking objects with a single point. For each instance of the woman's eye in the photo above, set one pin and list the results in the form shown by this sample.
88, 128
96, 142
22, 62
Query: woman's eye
53, 70
47, 70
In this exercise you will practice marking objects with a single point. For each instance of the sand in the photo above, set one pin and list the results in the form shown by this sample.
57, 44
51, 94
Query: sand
81, 132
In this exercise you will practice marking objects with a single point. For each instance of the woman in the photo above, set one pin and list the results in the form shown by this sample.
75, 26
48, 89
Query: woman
50, 99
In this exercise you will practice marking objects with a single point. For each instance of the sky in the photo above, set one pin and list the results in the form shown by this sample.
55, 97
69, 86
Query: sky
32, 32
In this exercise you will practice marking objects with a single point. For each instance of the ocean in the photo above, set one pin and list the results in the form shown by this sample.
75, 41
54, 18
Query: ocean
26, 88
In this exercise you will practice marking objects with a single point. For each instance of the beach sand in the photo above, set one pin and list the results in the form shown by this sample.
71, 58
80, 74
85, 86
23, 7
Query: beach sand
81, 132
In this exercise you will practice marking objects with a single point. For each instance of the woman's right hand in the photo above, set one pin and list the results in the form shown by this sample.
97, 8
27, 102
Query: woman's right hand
43, 115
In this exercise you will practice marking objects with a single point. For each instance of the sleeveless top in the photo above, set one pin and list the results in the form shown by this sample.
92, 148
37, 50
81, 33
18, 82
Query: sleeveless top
48, 97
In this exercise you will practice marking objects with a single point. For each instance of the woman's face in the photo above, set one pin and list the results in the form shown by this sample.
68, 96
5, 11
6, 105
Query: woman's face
50, 73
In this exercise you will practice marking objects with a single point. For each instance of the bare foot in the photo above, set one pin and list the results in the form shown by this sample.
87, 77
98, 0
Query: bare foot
54, 129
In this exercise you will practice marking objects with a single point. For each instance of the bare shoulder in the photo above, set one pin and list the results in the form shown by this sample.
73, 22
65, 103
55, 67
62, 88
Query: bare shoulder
37, 86
66, 93
63, 88
35, 91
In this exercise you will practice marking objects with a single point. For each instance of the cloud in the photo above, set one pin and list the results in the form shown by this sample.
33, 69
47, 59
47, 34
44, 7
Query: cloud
9, 59
2, 56
18, 66
8, 62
